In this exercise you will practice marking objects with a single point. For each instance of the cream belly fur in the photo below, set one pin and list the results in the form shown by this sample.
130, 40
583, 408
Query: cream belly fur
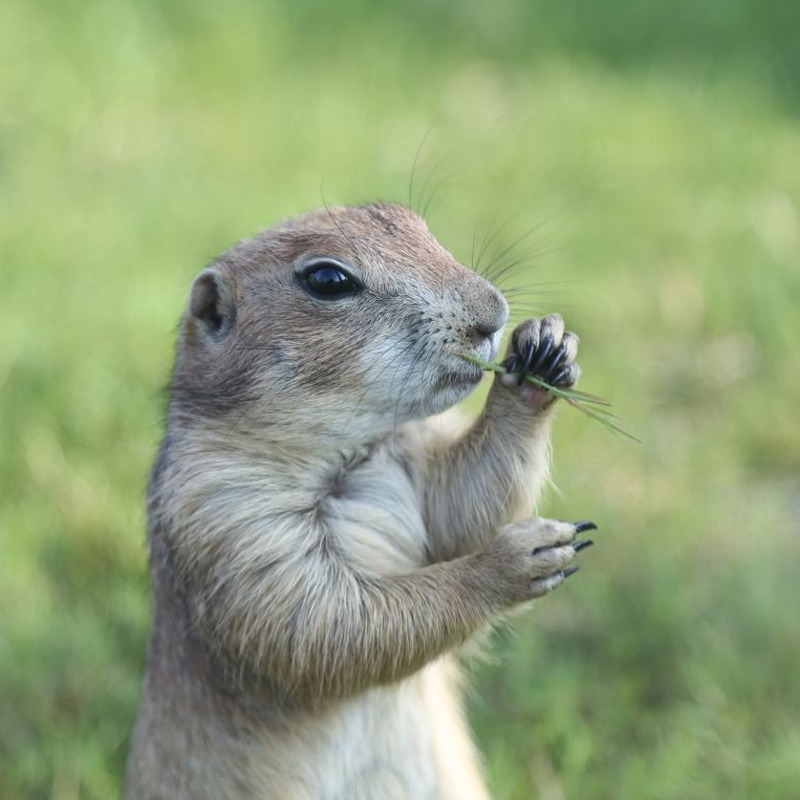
325, 531
407, 742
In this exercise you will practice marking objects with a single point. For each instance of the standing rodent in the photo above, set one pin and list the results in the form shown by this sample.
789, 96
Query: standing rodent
323, 532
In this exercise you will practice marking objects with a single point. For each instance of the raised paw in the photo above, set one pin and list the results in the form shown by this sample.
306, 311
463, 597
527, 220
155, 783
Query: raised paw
544, 350
530, 558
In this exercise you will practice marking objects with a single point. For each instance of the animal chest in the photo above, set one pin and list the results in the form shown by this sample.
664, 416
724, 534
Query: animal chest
374, 516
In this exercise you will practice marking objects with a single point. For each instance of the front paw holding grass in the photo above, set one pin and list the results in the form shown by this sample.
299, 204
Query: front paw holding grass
540, 365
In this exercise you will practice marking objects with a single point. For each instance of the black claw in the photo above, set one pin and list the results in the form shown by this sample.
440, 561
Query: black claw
545, 349
584, 525
512, 363
529, 353
569, 571
560, 377
555, 359
581, 544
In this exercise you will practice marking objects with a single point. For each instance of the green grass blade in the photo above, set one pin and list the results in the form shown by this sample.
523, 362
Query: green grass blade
590, 405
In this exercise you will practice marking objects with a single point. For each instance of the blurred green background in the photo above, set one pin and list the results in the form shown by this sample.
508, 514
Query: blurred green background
651, 153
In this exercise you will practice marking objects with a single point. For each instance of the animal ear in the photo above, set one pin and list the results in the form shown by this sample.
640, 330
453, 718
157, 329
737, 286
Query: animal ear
211, 302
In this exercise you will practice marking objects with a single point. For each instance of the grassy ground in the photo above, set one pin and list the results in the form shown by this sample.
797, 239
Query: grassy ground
655, 154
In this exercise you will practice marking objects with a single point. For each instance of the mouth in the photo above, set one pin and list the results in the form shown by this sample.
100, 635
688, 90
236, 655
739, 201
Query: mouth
466, 377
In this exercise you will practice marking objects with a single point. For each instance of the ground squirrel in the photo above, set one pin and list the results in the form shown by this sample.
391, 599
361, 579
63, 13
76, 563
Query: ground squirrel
324, 533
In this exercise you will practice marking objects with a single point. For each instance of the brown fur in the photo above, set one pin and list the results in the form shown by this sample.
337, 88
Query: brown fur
324, 533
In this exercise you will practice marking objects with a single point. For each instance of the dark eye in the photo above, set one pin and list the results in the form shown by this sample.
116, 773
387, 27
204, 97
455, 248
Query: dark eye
328, 280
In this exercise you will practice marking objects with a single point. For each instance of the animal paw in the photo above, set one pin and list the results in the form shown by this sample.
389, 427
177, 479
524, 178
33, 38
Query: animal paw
544, 350
532, 557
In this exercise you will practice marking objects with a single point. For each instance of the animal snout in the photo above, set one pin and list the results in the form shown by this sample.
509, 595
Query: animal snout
490, 315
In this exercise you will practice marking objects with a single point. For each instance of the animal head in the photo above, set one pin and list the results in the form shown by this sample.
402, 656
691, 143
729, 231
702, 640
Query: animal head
335, 325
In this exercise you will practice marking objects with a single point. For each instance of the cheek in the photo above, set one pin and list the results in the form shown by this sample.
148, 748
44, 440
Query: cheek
390, 364
323, 359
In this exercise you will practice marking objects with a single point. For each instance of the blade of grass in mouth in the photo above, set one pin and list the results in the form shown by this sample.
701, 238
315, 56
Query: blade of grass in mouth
592, 406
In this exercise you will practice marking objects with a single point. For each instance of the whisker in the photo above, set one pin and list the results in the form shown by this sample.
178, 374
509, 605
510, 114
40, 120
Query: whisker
509, 248
336, 223
411, 203
433, 195
488, 242
403, 384
411, 339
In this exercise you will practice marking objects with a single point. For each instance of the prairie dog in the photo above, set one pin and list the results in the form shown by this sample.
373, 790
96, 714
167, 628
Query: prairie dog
324, 533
